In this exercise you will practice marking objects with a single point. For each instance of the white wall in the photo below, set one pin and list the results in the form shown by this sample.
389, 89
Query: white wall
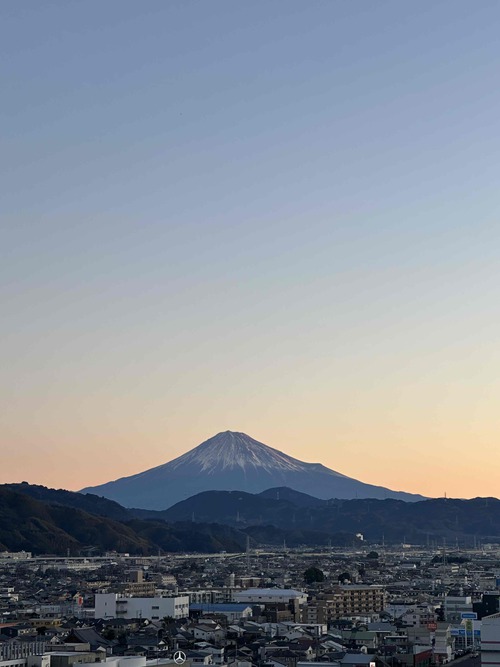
126, 661
263, 595
490, 638
111, 605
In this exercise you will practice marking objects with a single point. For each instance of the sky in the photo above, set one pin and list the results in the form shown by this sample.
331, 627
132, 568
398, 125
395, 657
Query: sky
276, 217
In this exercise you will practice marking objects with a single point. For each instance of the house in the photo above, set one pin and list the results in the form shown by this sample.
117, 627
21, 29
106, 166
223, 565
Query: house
206, 632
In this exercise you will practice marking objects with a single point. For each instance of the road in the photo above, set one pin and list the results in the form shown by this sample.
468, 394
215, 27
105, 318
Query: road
467, 661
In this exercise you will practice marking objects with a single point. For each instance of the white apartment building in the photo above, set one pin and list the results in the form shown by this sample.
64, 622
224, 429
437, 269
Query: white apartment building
114, 605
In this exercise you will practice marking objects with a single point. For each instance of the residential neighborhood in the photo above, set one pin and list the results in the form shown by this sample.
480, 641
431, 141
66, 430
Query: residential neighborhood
406, 607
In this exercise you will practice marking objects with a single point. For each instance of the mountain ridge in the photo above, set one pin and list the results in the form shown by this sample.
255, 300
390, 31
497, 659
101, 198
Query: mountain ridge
391, 519
42, 520
51, 520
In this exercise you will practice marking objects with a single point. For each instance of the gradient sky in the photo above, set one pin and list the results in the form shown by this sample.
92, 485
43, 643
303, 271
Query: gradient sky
276, 217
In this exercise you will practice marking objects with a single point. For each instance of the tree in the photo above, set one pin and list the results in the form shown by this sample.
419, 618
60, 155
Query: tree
372, 554
313, 574
345, 576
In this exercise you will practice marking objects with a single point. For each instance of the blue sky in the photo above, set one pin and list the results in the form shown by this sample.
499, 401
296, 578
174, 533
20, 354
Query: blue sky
275, 217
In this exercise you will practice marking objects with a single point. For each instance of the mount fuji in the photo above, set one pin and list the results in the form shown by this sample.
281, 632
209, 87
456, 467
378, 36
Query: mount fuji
235, 461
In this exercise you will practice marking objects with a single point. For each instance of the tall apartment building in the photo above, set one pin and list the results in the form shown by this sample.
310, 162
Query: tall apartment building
210, 596
344, 601
137, 586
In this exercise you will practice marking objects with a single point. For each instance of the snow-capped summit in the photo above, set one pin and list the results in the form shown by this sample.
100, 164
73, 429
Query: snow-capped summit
230, 449
234, 461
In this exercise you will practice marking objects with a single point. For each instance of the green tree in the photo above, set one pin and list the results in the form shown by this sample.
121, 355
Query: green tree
372, 554
313, 574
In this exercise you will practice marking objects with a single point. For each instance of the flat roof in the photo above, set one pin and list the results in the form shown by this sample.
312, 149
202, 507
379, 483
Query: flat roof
270, 591
220, 606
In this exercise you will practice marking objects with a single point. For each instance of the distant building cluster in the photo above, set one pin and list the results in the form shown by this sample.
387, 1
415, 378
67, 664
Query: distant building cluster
279, 608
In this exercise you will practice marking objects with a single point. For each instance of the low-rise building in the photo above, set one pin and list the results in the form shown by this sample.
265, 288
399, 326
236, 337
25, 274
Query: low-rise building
113, 605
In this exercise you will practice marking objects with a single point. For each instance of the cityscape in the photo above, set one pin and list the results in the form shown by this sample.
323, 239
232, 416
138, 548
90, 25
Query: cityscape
249, 342
391, 606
